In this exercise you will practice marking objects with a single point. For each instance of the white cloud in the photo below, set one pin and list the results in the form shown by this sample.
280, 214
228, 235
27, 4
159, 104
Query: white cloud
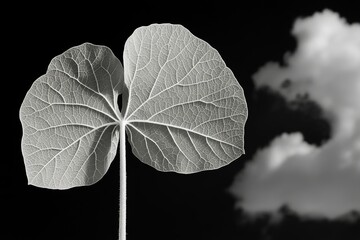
318, 181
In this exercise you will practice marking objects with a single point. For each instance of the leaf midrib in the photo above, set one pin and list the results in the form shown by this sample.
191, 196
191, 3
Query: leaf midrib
181, 128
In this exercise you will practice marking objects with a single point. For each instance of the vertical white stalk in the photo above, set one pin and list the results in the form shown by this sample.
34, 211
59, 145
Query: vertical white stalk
122, 204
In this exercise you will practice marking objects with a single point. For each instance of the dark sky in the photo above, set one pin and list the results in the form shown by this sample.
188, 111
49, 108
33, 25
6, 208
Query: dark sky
160, 205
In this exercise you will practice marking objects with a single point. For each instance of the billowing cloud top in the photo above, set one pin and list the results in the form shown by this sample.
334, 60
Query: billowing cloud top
320, 181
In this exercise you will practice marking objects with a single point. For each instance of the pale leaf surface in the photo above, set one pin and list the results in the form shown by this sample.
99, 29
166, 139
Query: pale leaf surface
70, 118
186, 111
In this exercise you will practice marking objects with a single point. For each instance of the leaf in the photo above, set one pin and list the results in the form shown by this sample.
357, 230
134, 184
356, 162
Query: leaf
70, 118
186, 111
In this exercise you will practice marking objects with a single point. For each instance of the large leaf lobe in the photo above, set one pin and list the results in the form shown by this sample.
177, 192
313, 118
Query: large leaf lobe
70, 118
186, 111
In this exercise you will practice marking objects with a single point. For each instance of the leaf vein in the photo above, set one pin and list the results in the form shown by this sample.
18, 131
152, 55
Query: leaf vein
174, 126
178, 82
75, 141
90, 89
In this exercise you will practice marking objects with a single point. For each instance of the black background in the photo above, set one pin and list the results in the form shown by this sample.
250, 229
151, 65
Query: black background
159, 205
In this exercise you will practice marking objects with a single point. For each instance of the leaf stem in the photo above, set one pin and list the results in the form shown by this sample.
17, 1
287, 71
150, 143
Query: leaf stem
122, 204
